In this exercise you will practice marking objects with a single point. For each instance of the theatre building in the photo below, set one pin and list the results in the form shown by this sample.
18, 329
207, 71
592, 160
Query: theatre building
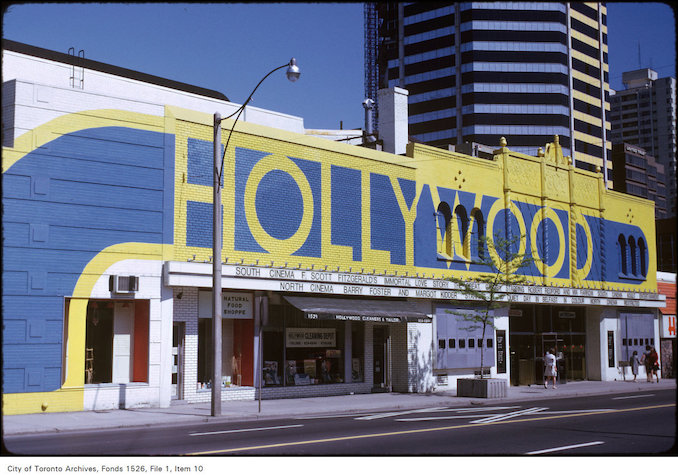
336, 258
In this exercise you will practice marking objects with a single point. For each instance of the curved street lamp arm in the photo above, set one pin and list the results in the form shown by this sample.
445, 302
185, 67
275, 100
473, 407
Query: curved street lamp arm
239, 112
255, 90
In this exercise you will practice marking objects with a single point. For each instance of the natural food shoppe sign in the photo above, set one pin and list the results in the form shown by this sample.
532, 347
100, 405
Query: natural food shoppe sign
236, 305
311, 337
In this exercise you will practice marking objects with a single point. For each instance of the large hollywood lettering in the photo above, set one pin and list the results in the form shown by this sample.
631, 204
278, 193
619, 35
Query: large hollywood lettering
284, 206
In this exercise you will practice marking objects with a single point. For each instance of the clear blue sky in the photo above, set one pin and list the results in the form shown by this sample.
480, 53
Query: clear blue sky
229, 47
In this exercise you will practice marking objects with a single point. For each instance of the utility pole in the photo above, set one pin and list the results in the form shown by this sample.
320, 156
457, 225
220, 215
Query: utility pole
216, 270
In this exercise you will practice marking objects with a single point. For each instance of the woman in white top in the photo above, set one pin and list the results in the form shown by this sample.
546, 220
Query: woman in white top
634, 362
550, 370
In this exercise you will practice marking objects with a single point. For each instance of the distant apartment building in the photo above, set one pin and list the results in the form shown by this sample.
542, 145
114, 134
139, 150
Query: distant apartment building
644, 114
478, 71
666, 245
637, 173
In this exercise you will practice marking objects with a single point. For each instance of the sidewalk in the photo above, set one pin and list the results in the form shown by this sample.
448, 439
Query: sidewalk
183, 413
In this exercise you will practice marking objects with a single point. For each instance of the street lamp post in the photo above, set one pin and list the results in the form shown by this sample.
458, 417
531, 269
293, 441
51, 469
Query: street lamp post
293, 74
216, 271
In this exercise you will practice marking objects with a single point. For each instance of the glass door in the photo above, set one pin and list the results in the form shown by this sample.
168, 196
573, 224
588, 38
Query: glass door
380, 351
574, 356
522, 359
551, 340
570, 354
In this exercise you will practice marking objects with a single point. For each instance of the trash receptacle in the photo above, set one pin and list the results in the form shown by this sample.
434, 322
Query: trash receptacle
562, 371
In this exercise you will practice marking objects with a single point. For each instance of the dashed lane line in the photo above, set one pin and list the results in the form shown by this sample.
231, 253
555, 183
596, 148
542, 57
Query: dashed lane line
565, 447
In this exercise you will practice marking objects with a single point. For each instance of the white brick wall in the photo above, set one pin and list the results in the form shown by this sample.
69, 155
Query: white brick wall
420, 357
314, 390
117, 396
45, 87
186, 310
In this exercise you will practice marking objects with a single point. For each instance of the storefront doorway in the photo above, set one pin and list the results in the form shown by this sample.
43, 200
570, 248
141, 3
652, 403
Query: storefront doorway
570, 354
534, 330
381, 350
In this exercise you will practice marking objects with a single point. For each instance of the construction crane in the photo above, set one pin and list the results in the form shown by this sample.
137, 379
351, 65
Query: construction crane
371, 64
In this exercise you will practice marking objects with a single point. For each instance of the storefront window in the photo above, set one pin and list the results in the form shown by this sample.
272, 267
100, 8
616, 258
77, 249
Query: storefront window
204, 350
237, 340
313, 356
116, 342
205, 353
298, 351
273, 357
568, 319
521, 319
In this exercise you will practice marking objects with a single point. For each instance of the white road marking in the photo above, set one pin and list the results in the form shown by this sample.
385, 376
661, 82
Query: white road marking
368, 415
246, 430
566, 447
463, 412
419, 419
331, 416
500, 416
632, 397
509, 415
478, 409
389, 414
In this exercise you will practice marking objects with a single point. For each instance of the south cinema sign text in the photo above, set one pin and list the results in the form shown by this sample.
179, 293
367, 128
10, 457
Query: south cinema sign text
194, 274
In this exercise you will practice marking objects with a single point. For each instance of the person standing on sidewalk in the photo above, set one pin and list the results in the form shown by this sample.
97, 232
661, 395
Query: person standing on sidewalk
550, 370
634, 362
654, 362
645, 360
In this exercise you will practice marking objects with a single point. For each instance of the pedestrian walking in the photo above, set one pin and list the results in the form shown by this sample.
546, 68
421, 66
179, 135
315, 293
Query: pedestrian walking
654, 362
550, 370
645, 360
634, 362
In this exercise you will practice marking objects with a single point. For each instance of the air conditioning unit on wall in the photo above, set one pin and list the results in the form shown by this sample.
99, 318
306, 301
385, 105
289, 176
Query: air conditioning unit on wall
123, 284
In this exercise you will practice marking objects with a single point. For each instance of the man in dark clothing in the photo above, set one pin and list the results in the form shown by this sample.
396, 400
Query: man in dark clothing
654, 364
645, 359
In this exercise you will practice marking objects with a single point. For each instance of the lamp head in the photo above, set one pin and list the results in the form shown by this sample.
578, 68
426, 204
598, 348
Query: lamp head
293, 72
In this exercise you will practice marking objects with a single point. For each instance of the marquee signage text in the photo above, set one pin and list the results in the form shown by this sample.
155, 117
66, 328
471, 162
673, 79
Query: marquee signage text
344, 283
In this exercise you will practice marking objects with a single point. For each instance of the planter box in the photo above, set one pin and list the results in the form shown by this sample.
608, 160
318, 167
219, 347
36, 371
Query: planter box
485, 388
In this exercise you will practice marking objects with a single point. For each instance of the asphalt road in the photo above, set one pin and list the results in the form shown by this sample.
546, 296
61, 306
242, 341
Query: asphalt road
615, 424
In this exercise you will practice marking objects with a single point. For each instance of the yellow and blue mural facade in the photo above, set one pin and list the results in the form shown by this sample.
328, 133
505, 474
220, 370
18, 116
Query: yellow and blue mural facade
90, 189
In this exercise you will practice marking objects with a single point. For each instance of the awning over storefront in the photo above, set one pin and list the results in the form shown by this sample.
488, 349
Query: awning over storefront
385, 311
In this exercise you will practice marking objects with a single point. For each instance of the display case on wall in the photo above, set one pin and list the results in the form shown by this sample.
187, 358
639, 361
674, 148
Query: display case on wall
309, 352
271, 375
317, 367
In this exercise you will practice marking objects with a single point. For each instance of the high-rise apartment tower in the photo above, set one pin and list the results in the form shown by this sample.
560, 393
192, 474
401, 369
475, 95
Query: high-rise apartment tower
644, 114
479, 71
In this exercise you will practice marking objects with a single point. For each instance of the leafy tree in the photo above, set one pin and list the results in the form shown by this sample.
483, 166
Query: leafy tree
502, 259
